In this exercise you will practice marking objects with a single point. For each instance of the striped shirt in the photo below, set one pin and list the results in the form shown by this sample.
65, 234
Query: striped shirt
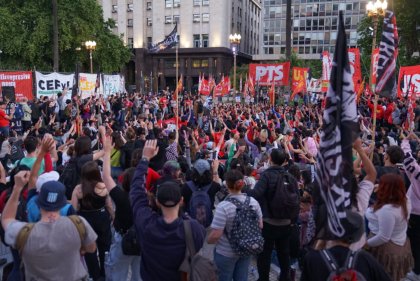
223, 219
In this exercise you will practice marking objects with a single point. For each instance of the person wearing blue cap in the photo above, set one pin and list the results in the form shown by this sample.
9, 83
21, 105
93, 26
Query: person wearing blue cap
50, 248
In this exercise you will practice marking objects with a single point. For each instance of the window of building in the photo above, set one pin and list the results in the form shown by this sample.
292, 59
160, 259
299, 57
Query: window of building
130, 43
196, 18
196, 63
168, 19
130, 22
206, 17
334, 23
149, 21
130, 7
176, 18
168, 3
204, 63
206, 2
114, 8
349, 7
196, 41
301, 50
205, 39
170, 63
347, 22
149, 5
197, 2
149, 40
177, 3
335, 9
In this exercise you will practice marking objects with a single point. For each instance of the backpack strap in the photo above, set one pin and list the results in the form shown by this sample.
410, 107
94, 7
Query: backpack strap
189, 250
23, 236
238, 203
329, 261
351, 259
81, 228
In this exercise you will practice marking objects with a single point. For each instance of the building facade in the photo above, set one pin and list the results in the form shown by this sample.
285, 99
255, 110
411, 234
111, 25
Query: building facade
204, 27
314, 27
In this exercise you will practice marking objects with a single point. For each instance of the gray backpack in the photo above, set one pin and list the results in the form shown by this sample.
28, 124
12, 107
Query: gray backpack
195, 266
347, 272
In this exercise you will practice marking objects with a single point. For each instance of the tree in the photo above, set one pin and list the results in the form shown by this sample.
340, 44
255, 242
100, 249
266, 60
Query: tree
26, 36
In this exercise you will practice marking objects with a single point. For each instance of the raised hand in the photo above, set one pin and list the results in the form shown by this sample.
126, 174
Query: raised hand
150, 149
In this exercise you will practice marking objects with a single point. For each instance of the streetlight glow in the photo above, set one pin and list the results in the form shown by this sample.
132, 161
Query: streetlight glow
235, 40
91, 46
376, 8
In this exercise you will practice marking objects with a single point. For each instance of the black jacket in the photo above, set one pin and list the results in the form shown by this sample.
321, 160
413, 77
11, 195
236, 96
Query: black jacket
268, 181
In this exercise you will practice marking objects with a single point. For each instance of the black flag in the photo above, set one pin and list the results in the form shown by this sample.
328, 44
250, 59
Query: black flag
75, 89
334, 160
170, 41
386, 84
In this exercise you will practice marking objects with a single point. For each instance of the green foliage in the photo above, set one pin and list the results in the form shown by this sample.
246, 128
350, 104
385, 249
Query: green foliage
26, 36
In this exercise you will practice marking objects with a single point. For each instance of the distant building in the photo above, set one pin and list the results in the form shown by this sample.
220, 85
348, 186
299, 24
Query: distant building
204, 27
314, 26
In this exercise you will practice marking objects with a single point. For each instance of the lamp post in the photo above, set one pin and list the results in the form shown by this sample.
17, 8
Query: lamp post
374, 10
91, 46
1, 52
235, 40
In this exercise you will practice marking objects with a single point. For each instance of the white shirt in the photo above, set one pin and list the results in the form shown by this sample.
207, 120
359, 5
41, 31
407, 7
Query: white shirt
388, 224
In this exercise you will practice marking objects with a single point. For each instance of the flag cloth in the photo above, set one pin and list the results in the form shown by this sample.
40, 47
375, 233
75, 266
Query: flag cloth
251, 87
226, 86
75, 88
386, 85
334, 170
272, 93
218, 89
170, 41
245, 88
178, 88
360, 92
299, 88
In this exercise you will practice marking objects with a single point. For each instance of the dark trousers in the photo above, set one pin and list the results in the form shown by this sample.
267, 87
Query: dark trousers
413, 233
101, 224
278, 237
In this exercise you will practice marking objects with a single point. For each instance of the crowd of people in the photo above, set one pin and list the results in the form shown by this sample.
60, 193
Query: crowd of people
132, 186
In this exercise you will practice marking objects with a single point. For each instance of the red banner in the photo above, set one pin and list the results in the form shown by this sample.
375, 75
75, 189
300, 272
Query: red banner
375, 65
355, 68
326, 70
299, 74
264, 74
20, 80
409, 81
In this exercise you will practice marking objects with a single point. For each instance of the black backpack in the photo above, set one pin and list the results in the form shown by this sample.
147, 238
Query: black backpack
129, 243
245, 237
284, 200
347, 272
70, 177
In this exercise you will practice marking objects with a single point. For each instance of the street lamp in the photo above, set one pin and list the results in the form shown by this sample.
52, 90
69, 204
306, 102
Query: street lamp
91, 46
235, 40
374, 10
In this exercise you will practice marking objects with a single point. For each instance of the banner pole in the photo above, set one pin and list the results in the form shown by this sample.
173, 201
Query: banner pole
176, 83
372, 86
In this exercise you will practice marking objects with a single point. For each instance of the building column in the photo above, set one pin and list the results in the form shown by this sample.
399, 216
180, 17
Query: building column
211, 65
162, 82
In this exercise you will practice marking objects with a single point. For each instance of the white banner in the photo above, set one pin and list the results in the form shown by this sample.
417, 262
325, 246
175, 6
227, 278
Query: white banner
53, 83
314, 85
87, 85
114, 84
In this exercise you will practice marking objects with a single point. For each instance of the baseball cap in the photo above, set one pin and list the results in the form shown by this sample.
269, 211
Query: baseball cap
170, 166
168, 194
201, 166
52, 196
234, 131
46, 177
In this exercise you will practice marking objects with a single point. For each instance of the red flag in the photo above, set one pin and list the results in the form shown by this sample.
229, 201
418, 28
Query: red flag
300, 88
272, 93
360, 92
226, 86
178, 88
218, 89
251, 87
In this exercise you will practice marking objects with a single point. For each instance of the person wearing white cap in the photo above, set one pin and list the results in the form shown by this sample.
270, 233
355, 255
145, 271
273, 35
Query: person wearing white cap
32, 208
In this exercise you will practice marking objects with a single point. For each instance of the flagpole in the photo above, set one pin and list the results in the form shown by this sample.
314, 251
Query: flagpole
177, 82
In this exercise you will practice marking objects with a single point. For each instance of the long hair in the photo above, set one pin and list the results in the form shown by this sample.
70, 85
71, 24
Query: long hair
82, 146
90, 177
391, 190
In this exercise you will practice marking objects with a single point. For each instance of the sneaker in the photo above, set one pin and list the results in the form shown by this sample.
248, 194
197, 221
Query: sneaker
411, 276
